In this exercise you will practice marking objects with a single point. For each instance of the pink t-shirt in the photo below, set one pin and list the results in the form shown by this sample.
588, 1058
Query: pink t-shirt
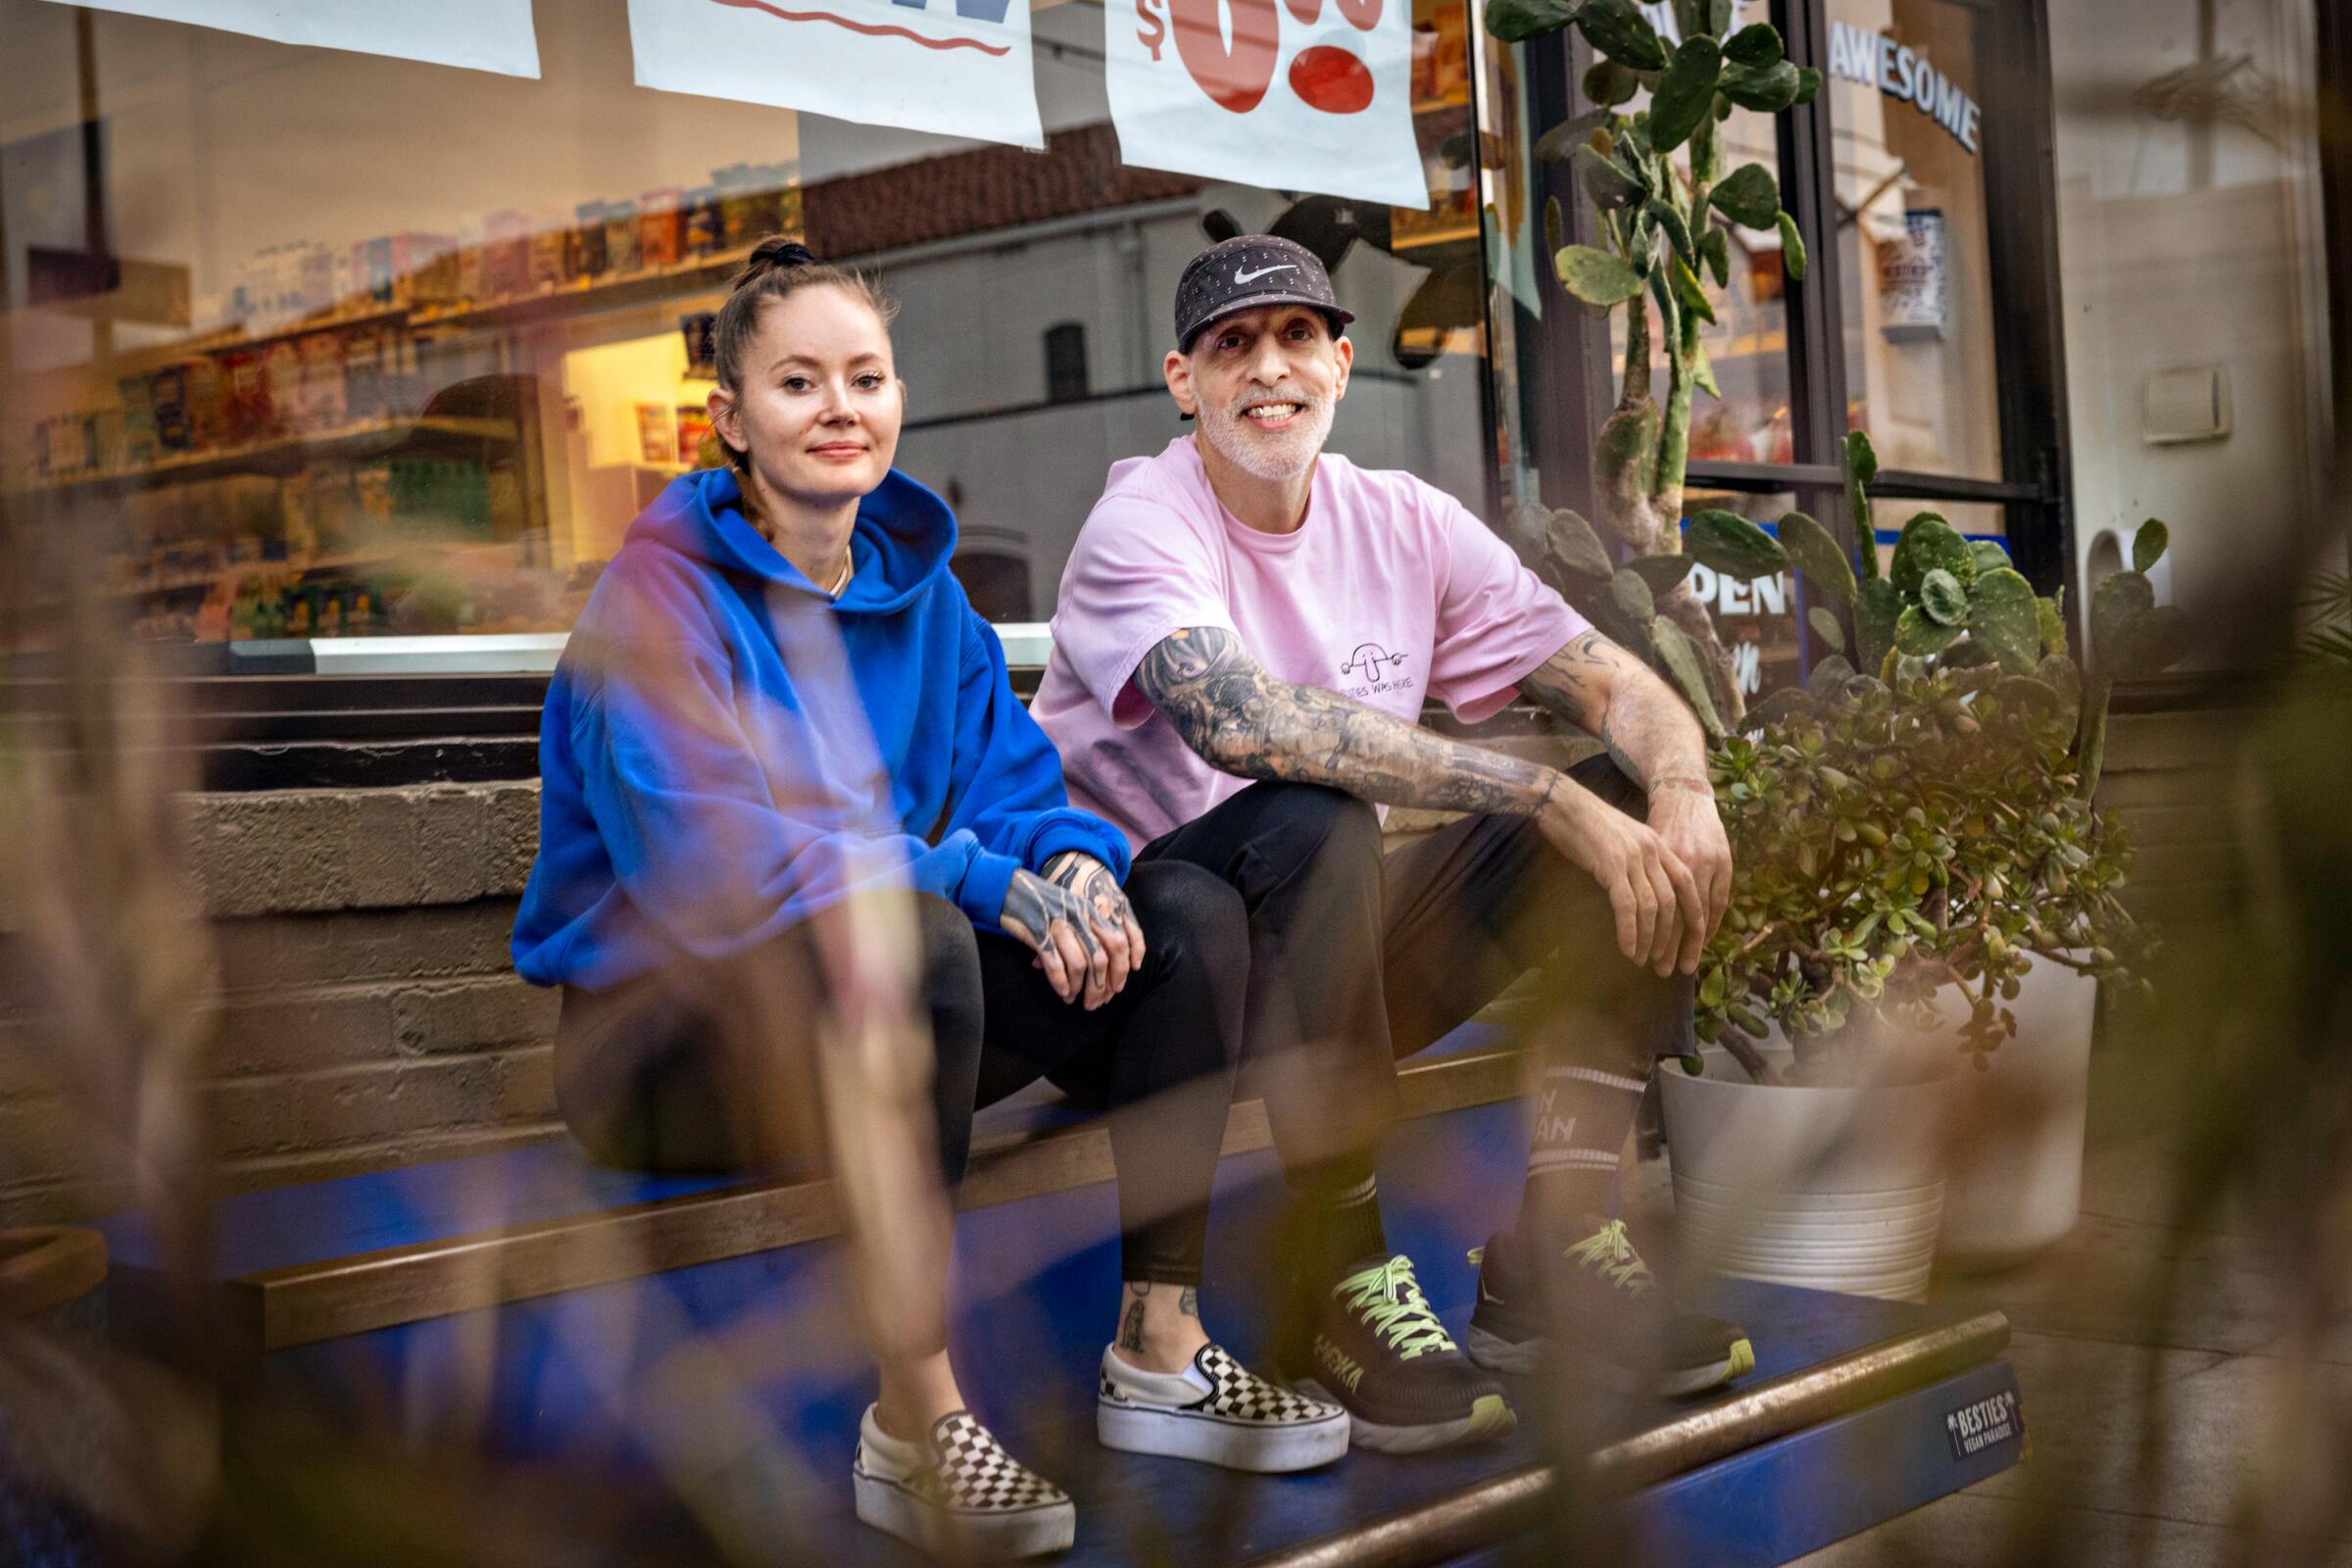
1390, 592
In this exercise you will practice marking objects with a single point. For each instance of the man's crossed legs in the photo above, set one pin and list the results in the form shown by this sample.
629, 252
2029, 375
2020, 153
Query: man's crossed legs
1358, 958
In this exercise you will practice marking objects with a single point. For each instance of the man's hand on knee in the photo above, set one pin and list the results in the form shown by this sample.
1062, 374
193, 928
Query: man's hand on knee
1661, 911
1682, 811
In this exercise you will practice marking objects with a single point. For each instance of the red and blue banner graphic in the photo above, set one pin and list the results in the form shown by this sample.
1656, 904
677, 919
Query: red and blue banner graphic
1296, 95
959, 68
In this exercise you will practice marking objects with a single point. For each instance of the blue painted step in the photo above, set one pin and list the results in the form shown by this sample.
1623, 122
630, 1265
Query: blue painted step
746, 1370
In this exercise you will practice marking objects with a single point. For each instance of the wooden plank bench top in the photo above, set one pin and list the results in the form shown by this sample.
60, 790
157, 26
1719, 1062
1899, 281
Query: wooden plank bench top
318, 1262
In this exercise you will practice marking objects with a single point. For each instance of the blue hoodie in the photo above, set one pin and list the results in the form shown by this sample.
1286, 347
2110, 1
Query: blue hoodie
708, 781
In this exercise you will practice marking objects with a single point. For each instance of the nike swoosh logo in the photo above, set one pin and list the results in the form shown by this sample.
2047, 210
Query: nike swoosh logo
1241, 278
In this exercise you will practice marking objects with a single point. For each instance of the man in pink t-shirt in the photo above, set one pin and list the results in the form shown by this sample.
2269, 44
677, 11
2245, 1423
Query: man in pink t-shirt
1248, 630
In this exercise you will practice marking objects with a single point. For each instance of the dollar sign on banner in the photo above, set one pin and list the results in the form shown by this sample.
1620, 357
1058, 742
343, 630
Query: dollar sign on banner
1153, 32
1235, 77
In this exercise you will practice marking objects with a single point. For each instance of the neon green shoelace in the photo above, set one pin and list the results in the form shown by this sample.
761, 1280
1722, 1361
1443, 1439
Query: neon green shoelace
1392, 1305
1610, 1250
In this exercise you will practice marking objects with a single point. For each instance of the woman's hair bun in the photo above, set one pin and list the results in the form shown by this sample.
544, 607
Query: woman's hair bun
776, 252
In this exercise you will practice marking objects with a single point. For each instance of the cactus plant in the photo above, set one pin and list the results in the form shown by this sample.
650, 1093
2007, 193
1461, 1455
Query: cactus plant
1663, 202
1946, 597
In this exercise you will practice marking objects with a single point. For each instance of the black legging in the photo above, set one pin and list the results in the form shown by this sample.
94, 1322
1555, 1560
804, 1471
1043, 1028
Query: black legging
643, 1071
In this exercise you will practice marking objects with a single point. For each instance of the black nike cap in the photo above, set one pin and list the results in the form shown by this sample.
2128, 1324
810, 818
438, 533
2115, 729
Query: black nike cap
1246, 271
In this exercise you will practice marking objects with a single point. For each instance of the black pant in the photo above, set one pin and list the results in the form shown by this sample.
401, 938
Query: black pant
1360, 958
711, 1068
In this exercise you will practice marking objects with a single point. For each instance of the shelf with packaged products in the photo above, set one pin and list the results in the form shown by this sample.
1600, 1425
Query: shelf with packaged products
581, 297
241, 574
235, 338
155, 586
424, 436
588, 297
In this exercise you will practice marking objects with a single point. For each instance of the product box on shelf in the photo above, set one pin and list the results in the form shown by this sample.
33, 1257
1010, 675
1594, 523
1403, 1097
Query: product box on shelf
281, 373
167, 399
656, 435
245, 396
620, 236
363, 372
506, 253
699, 330
546, 255
208, 404
376, 277
320, 398
747, 206
658, 234
694, 429
140, 443
468, 282
585, 255
703, 228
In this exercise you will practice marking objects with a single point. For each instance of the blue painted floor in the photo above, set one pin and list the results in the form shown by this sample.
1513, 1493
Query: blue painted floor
740, 1382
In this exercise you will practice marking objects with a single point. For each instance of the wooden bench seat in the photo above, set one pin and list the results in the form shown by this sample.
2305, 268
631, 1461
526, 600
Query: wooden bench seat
300, 1264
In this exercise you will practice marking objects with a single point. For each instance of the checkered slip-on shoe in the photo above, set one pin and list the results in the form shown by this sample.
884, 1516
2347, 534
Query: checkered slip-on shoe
1218, 1411
957, 1494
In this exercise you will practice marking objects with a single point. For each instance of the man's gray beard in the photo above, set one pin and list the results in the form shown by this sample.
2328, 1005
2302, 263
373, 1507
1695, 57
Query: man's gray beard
1254, 455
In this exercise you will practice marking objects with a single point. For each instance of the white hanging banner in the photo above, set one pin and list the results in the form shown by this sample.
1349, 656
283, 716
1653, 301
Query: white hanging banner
1296, 95
478, 34
960, 68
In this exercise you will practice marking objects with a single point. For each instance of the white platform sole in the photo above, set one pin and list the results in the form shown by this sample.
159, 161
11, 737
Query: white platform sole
1233, 1445
1029, 1533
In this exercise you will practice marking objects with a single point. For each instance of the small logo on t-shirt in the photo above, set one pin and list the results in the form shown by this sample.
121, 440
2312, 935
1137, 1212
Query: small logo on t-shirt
1374, 668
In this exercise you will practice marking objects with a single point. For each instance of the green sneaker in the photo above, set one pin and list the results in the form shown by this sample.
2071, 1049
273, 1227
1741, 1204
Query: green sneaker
1512, 1328
1379, 1353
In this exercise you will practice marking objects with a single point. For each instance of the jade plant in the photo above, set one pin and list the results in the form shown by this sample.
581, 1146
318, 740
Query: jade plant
1664, 206
1929, 825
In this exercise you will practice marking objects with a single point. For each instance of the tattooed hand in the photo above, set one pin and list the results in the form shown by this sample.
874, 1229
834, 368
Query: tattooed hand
1114, 918
1055, 921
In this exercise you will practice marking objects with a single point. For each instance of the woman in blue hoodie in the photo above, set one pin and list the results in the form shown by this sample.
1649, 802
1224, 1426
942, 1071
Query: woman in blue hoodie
776, 716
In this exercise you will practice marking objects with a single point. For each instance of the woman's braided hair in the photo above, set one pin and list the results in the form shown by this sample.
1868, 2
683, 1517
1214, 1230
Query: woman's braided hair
776, 268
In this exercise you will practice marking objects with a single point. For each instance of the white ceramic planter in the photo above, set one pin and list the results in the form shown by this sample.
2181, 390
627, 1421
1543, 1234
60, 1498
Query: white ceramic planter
1830, 1189
2015, 1173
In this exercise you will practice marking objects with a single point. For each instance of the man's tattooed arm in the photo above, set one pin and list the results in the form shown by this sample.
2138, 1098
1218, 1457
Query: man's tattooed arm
1650, 733
1244, 721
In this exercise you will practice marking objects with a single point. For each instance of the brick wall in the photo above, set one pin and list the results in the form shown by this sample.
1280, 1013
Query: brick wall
371, 1014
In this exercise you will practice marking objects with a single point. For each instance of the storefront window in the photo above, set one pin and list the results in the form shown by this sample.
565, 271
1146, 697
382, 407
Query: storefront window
1914, 242
342, 344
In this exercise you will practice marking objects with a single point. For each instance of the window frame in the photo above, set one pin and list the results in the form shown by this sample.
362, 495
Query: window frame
2036, 484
